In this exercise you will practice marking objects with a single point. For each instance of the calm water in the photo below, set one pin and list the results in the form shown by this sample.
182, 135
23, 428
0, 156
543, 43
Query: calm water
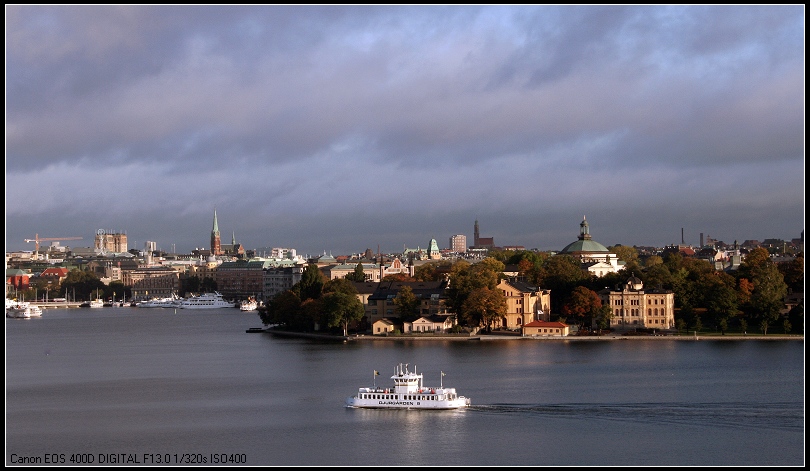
194, 385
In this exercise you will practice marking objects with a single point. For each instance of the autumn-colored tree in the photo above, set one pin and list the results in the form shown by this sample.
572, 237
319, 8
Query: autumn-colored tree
399, 277
583, 305
466, 278
484, 306
744, 289
433, 271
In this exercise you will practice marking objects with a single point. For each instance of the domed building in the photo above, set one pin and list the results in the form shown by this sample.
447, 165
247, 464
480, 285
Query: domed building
595, 257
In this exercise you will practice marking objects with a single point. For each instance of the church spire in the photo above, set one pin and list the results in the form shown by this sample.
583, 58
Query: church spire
216, 244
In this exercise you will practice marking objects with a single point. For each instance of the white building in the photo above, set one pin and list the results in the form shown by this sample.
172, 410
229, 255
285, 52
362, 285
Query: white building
595, 257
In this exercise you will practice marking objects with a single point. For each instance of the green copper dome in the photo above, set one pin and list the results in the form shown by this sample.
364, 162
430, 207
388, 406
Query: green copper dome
584, 246
584, 243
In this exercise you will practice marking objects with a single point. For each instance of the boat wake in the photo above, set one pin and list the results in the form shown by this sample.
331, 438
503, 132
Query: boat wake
776, 416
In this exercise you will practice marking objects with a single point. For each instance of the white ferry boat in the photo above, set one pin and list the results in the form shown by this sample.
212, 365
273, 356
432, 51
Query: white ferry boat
408, 393
205, 301
96, 303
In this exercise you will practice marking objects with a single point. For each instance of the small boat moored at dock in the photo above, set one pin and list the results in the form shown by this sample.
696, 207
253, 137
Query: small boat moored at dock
22, 309
408, 393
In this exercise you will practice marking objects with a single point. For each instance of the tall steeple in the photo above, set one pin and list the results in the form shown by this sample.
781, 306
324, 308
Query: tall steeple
216, 244
475, 235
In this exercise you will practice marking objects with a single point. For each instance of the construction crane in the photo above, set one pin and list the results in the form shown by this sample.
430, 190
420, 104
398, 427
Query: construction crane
37, 240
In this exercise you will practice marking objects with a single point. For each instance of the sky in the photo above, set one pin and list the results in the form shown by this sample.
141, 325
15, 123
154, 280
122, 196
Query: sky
336, 129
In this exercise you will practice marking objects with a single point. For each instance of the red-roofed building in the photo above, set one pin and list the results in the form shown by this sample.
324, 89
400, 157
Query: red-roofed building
17, 279
545, 329
54, 275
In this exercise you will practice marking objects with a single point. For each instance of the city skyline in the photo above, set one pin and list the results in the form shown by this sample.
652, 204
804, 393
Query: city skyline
341, 128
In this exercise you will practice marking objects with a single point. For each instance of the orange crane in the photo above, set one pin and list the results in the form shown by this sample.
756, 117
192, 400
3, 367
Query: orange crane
37, 240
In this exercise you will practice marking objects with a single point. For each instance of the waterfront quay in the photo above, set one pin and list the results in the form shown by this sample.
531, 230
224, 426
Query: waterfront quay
489, 337
55, 304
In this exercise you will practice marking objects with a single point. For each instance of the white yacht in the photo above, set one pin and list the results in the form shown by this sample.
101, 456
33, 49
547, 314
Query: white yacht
408, 393
21, 309
205, 301
173, 301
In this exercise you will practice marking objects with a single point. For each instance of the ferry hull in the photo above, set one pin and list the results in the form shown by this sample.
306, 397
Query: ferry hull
397, 404
408, 393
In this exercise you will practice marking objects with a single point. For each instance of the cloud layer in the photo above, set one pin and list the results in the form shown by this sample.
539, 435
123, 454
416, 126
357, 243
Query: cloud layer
336, 128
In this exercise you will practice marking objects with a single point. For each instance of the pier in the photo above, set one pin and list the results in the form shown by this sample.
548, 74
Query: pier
56, 304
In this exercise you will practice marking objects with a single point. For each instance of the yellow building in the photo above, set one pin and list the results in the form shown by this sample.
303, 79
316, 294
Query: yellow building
524, 303
633, 307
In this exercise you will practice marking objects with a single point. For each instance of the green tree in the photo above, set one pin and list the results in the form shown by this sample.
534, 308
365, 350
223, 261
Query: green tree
625, 253
489, 271
407, 304
339, 285
311, 284
341, 309
786, 326
793, 273
484, 306
796, 317
681, 325
604, 317
358, 275
652, 261
190, 285
720, 296
697, 324
466, 278
769, 288
723, 325
561, 274
657, 276
283, 309
82, 283
763, 326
